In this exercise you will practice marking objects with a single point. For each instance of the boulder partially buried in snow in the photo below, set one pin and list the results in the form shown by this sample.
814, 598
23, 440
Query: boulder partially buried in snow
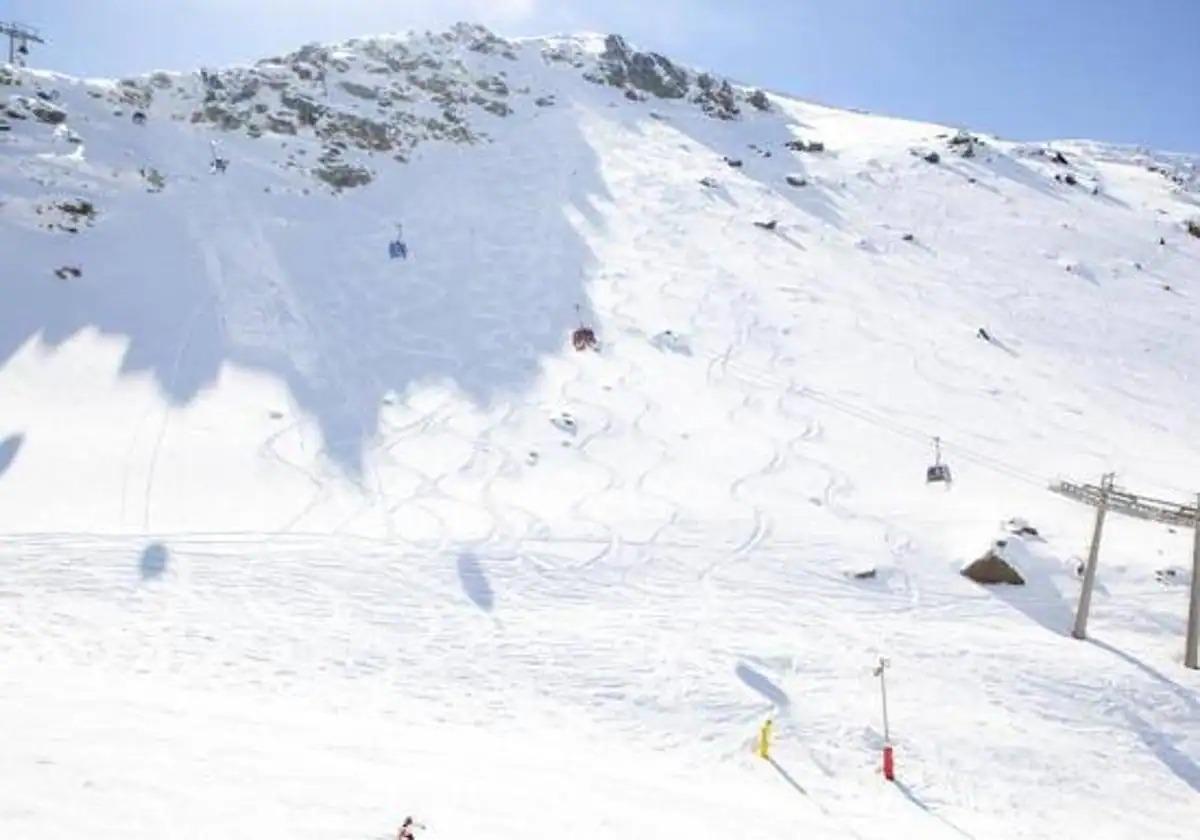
992, 568
672, 342
565, 422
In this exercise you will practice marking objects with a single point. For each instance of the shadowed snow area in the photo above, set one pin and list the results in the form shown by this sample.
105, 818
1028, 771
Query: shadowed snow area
475, 582
233, 269
9, 447
153, 562
756, 681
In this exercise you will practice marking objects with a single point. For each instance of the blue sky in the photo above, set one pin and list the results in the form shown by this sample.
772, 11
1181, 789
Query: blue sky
1120, 70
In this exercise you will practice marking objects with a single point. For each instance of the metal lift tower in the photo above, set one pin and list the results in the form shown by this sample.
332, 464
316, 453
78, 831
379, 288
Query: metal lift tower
20, 37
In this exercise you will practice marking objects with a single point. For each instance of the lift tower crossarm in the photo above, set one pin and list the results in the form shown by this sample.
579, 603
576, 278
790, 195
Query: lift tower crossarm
19, 34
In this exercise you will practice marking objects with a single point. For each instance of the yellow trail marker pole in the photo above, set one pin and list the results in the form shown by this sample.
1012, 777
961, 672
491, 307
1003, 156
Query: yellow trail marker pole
764, 739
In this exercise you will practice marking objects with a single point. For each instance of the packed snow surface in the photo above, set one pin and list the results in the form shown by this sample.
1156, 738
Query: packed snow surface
299, 538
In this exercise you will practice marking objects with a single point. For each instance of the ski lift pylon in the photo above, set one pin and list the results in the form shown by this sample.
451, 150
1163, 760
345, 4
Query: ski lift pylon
939, 473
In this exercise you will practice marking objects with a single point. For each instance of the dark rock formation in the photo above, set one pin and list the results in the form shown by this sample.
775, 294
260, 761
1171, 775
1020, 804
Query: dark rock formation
622, 66
992, 568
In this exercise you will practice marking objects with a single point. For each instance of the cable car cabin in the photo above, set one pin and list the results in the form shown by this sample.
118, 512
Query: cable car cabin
584, 338
938, 474
397, 250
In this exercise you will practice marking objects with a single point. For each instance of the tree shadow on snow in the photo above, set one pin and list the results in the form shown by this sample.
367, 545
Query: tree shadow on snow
153, 562
475, 582
219, 271
9, 447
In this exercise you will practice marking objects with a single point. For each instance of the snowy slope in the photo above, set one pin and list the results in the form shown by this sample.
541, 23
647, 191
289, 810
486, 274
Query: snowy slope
299, 538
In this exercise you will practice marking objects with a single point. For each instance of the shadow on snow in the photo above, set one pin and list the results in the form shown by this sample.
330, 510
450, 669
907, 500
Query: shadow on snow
756, 681
475, 582
218, 270
9, 447
153, 562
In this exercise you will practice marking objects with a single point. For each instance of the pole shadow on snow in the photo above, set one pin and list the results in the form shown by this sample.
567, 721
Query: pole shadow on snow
153, 562
1158, 742
475, 582
9, 447
1186, 696
916, 800
1164, 749
761, 684
787, 777
799, 788
301, 287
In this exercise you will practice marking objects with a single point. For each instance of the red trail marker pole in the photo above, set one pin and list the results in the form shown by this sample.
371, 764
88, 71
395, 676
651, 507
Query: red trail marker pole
889, 761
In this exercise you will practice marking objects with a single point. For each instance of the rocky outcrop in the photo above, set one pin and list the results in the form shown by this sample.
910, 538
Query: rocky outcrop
280, 125
992, 568
623, 67
716, 98
343, 176
155, 180
493, 85
361, 91
70, 216
219, 116
798, 145
359, 132
46, 112
965, 144
306, 110
481, 40
759, 101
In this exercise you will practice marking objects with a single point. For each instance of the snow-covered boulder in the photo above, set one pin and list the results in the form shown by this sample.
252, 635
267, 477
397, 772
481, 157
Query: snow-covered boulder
672, 342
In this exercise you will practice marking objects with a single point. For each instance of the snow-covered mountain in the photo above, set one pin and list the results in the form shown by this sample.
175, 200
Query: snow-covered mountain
304, 531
